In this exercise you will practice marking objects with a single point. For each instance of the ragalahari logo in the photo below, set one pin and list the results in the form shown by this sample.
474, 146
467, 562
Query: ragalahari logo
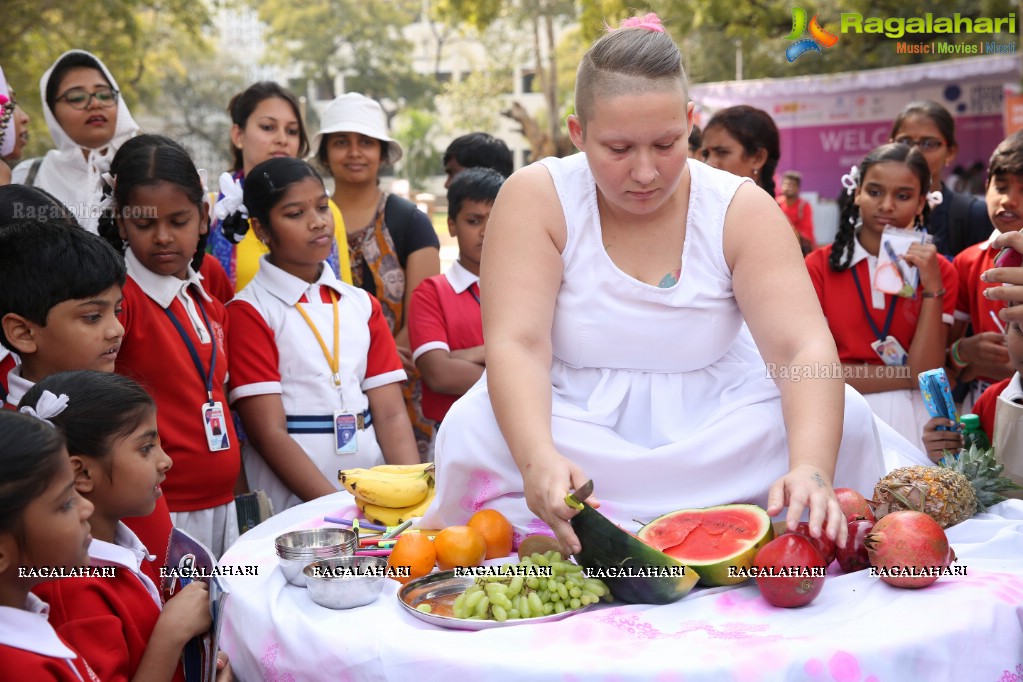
819, 38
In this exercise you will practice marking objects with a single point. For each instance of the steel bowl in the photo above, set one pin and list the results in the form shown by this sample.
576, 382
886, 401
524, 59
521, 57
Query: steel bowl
297, 549
345, 582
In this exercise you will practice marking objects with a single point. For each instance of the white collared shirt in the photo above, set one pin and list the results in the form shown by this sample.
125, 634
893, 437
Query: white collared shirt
289, 288
163, 289
29, 630
1013, 392
985, 245
459, 278
126, 552
17, 386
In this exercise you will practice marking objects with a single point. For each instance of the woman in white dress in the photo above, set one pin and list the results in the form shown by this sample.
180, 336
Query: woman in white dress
614, 289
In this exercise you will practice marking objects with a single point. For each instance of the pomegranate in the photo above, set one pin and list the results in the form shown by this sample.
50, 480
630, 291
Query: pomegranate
825, 545
854, 505
909, 549
790, 571
853, 557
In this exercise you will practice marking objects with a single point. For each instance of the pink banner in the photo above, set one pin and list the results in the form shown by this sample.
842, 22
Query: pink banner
823, 153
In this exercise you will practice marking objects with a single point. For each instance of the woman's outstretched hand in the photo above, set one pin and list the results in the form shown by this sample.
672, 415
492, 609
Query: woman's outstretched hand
546, 484
806, 486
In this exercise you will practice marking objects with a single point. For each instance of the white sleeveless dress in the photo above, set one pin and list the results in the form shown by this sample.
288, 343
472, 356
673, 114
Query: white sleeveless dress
660, 395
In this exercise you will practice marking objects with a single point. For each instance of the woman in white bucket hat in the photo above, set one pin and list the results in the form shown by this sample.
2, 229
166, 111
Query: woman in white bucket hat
392, 245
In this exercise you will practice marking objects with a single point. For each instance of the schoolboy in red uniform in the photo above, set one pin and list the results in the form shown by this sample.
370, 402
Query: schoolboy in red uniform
445, 324
60, 295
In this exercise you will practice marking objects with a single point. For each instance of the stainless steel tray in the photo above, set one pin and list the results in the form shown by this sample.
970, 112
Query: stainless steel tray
446, 584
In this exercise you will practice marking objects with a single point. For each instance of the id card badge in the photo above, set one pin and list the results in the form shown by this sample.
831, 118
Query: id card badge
890, 351
215, 423
346, 438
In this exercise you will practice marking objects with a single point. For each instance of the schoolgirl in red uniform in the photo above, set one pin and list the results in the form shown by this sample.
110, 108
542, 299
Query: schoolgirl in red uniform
117, 622
885, 341
174, 338
44, 524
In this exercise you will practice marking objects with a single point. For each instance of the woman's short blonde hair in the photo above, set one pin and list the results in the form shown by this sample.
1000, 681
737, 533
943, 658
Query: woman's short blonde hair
627, 61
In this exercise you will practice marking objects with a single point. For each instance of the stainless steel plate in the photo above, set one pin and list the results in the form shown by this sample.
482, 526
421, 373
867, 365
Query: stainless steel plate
443, 587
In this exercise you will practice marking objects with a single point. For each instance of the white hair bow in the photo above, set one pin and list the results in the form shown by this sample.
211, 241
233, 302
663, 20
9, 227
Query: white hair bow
934, 198
232, 200
46, 407
851, 180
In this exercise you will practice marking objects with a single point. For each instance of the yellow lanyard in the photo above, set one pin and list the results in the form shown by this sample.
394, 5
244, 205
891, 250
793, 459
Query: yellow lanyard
332, 360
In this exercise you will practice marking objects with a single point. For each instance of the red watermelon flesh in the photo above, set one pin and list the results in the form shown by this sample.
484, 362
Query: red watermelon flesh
664, 535
711, 540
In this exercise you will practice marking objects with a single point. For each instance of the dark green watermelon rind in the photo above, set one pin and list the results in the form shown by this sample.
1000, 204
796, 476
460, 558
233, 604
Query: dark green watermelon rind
605, 545
716, 574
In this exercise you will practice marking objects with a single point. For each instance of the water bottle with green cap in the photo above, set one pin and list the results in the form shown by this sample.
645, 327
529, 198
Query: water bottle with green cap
973, 434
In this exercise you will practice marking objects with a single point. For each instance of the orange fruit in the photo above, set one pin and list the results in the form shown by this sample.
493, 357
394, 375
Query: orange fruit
496, 530
459, 546
414, 550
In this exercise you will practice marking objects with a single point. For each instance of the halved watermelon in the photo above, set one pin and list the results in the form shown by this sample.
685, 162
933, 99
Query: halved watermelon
611, 553
712, 539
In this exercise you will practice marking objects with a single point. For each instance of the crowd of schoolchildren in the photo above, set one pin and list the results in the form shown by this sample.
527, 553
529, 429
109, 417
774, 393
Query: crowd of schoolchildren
164, 352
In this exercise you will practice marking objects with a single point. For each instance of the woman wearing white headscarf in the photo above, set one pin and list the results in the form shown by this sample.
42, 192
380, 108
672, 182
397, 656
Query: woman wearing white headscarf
88, 121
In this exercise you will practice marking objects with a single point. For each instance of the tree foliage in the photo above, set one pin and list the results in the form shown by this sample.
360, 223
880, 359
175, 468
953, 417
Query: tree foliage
415, 129
473, 102
357, 39
193, 107
142, 42
708, 33
536, 22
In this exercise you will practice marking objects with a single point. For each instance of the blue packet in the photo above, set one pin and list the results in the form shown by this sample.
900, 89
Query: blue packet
937, 395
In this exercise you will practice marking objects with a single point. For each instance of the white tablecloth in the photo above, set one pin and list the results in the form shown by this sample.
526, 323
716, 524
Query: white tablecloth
858, 630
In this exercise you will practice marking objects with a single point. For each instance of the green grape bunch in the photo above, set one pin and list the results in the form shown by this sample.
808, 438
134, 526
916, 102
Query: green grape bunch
511, 595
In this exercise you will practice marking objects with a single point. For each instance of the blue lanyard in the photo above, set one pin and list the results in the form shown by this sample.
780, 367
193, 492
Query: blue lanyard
206, 378
881, 334
474, 295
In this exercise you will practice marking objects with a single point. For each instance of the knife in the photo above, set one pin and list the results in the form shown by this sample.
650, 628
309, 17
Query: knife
583, 492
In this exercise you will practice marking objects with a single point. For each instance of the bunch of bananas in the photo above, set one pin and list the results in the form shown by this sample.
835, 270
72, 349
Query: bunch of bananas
390, 494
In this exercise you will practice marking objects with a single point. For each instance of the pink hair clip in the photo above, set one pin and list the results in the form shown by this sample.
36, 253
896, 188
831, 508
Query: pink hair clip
650, 22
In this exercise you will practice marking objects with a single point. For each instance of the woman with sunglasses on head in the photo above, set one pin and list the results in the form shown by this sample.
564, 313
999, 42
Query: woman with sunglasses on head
88, 120
960, 220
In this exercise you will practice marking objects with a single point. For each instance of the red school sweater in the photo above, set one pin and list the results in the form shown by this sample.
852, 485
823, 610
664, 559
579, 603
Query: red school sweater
154, 354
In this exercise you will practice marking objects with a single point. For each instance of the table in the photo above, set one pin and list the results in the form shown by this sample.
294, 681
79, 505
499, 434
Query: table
858, 630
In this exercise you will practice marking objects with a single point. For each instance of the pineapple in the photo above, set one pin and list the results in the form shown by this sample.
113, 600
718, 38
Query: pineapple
950, 492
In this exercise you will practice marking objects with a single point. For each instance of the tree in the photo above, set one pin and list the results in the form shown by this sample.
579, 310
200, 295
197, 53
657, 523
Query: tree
708, 33
194, 105
539, 20
470, 103
140, 41
414, 129
359, 40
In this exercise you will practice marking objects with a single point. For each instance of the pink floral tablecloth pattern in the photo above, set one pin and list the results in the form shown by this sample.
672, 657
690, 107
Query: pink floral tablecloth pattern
967, 628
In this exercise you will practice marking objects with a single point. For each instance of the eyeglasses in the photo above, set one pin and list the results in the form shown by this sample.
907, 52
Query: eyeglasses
79, 98
924, 144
